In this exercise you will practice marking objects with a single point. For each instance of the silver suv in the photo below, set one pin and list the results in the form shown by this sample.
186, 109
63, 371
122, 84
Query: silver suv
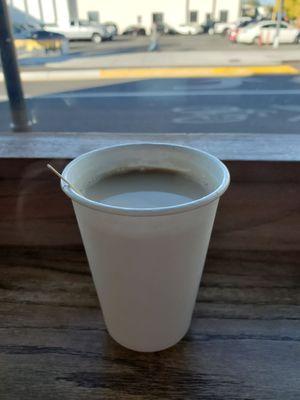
83, 30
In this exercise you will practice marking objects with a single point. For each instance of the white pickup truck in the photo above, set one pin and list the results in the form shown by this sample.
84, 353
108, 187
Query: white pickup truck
82, 30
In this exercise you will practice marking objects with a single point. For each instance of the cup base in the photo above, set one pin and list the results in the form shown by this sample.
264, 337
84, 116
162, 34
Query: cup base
150, 348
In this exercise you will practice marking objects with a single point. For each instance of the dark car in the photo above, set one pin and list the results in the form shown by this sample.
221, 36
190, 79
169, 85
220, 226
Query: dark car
45, 35
165, 29
28, 31
135, 30
49, 40
52, 40
112, 27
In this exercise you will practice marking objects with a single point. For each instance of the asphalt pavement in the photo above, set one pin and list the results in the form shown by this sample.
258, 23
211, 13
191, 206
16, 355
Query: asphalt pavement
203, 42
174, 50
261, 104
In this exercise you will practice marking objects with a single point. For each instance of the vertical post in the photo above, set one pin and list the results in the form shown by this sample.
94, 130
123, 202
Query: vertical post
213, 10
278, 22
11, 72
187, 11
240, 9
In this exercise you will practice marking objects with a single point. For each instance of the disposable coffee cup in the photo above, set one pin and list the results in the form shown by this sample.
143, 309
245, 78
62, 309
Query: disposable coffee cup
146, 263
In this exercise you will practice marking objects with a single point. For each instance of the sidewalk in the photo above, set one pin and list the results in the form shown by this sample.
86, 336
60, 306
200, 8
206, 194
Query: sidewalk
162, 65
179, 59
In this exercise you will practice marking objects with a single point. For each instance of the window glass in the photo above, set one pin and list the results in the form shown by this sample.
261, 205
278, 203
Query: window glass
157, 17
93, 16
193, 16
223, 16
269, 26
154, 67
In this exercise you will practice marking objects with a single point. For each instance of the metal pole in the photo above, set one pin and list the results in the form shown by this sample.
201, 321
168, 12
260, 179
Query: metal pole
11, 72
279, 18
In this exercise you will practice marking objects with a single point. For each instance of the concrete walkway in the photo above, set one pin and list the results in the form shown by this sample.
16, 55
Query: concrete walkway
173, 64
179, 59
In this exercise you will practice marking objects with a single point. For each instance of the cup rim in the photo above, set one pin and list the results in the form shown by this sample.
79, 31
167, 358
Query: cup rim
202, 201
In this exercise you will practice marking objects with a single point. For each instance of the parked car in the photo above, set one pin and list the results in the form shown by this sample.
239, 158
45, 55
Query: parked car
48, 40
166, 29
222, 28
189, 29
82, 30
135, 30
111, 28
233, 32
287, 34
264, 32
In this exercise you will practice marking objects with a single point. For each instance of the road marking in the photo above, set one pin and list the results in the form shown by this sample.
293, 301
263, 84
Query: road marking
147, 73
171, 93
197, 72
63, 75
162, 93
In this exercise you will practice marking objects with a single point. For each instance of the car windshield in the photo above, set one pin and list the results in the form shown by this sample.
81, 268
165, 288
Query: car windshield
251, 24
246, 23
84, 23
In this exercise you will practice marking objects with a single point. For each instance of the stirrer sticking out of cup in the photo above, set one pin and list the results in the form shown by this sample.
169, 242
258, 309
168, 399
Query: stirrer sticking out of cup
64, 179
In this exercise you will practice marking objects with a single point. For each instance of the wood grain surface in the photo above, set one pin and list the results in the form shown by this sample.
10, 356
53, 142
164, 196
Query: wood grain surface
260, 210
244, 341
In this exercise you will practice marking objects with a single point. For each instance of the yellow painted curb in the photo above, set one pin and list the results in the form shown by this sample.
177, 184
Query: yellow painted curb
196, 72
32, 44
27, 44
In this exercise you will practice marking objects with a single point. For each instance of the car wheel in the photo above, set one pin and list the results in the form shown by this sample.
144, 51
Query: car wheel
225, 32
96, 38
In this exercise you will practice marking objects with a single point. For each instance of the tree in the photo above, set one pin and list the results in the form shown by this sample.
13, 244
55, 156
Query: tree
292, 8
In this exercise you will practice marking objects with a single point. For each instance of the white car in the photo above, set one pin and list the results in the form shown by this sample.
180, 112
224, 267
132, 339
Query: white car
264, 32
82, 30
222, 28
189, 29
287, 34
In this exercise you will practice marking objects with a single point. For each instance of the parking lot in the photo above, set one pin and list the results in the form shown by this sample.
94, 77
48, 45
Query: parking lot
210, 104
125, 44
267, 104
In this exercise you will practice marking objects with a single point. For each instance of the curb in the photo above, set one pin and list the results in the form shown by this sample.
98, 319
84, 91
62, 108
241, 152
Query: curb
136, 73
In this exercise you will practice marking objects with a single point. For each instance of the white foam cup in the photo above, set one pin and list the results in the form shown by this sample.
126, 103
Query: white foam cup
146, 263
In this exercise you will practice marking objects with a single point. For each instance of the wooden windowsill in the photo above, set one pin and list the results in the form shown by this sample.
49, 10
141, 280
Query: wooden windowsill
251, 147
244, 338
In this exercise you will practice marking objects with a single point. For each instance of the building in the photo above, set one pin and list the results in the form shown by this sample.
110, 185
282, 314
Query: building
124, 13
56, 12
